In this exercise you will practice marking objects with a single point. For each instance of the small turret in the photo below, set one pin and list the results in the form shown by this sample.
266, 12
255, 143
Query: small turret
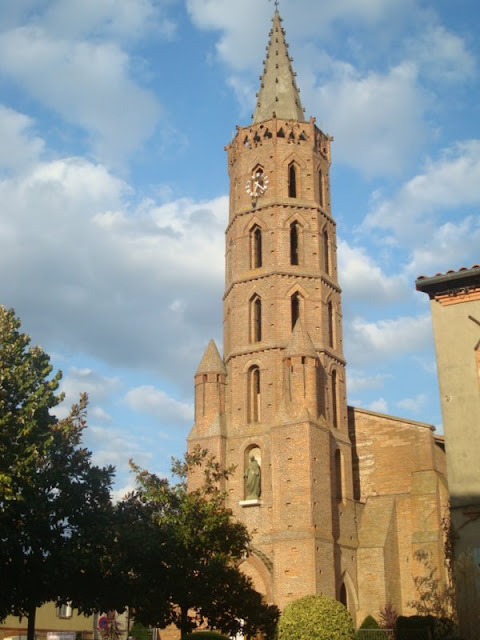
301, 364
210, 381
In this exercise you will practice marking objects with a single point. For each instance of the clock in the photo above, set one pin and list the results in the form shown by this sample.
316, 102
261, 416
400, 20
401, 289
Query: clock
257, 184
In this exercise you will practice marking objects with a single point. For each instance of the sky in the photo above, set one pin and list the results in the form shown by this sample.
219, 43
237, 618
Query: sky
114, 115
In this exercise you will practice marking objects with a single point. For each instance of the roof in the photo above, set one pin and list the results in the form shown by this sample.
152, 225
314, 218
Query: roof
464, 278
300, 343
211, 361
278, 96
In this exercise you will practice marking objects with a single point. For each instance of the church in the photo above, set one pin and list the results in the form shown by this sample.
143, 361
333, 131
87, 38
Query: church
338, 499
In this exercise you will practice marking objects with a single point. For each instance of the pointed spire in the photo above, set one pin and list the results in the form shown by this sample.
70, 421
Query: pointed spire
300, 343
278, 95
211, 361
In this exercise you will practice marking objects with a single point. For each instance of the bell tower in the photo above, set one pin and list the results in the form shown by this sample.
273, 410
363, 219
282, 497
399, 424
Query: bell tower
275, 404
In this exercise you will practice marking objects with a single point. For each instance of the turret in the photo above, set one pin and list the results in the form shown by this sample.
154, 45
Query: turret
210, 381
301, 365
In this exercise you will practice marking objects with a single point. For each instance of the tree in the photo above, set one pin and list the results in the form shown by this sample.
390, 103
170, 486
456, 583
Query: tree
315, 618
198, 578
53, 501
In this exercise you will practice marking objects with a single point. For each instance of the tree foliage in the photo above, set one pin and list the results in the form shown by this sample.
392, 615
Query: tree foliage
315, 618
197, 579
53, 500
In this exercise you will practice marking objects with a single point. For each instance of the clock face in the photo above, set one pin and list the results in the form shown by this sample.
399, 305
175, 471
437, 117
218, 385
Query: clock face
257, 184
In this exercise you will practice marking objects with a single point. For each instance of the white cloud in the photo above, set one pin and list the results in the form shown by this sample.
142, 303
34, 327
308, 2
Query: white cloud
363, 280
380, 406
378, 119
442, 55
413, 405
366, 342
447, 183
134, 286
19, 148
148, 399
358, 381
82, 81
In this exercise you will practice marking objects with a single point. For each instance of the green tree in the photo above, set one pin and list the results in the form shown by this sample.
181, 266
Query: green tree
198, 579
53, 501
315, 618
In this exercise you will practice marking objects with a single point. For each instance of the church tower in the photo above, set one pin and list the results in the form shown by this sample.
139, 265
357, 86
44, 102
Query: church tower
275, 404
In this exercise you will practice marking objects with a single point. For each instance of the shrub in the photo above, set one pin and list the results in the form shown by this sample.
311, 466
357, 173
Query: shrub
205, 635
369, 623
315, 618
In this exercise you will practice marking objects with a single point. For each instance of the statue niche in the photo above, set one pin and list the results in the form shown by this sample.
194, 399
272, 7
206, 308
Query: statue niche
253, 476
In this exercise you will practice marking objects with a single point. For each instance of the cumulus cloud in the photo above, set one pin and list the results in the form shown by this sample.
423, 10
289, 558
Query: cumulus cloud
19, 148
413, 405
367, 342
380, 405
359, 381
148, 399
378, 118
81, 80
447, 183
363, 280
442, 55
134, 285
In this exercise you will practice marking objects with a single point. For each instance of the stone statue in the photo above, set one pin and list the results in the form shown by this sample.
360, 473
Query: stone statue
252, 480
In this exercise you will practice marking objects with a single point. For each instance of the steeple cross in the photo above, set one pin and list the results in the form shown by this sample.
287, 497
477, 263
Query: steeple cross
276, 3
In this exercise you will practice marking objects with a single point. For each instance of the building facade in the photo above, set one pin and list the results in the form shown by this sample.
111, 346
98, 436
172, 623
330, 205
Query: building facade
455, 305
338, 499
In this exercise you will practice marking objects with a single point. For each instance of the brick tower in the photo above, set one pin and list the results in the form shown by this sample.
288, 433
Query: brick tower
275, 405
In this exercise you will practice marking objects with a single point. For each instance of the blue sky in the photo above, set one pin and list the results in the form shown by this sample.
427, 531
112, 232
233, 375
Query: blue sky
113, 189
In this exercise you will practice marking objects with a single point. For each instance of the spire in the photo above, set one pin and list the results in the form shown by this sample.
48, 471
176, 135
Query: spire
300, 343
211, 361
278, 95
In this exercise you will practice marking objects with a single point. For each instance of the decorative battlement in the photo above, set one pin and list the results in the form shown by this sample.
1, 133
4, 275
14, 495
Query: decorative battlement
288, 131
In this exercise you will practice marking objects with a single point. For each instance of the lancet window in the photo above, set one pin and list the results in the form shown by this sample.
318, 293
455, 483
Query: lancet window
331, 324
296, 306
256, 257
334, 399
254, 394
296, 243
339, 476
326, 252
292, 180
256, 319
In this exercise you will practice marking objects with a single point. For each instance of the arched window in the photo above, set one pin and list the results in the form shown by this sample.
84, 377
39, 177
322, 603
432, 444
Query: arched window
256, 319
256, 247
334, 399
343, 595
331, 325
292, 180
321, 189
294, 242
326, 252
339, 476
296, 307
254, 396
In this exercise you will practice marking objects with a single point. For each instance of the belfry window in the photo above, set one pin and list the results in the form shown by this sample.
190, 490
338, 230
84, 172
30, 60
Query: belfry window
254, 395
339, 480
334, 399
296, 305
256, 247
295, 242
331, 326
321, 189
326, 252
256, 319
292, 181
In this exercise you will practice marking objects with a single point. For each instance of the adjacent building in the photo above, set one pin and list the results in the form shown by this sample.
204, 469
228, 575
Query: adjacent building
455, 305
